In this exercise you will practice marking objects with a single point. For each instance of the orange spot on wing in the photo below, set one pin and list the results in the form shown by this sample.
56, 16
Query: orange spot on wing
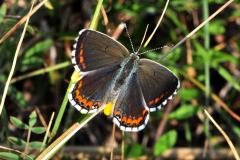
84, 101
117, 113
151, 102
124, 119
90, 104
157, 100
81, 52
81, 60
144, 112
129, 121
139, 119
135, 121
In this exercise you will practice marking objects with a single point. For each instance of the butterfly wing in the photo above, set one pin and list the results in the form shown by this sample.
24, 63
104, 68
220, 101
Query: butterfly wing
158, 84
130, 111
88, 93
94, 50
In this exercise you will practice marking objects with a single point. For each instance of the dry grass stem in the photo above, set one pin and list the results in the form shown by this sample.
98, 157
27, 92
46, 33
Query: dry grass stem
159, 21
198, 28
234, 151
21, 21
15, 60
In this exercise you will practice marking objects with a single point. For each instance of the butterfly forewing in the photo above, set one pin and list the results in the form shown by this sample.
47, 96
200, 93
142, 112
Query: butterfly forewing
158, 84
94, 50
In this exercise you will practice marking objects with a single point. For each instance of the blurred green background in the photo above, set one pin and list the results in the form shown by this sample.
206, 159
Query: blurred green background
207, 65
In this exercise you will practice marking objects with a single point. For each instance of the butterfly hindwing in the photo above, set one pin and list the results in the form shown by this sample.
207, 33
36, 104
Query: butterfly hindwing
130, 111
94, 50
158, 84
88, 93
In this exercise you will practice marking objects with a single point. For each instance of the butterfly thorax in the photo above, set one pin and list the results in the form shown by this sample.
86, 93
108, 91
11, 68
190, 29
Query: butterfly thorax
127, 68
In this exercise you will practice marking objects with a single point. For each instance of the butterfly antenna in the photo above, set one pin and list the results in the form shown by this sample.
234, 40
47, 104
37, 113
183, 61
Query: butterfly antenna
166, 46
129, 38
143, 39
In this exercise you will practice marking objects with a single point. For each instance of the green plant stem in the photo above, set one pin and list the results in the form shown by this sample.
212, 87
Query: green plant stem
94, 21
41, 71
206, 65
196, 29
60, 113
47, 132
66, 136
28, 139
207, 46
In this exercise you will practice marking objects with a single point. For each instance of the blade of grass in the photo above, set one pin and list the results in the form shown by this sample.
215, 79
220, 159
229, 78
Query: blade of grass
21, 21
47, 132
123, 146
233, 149
57, 123
41, 71
159, 21
96, 15
205, 9
196, 29
207, 46
112, 141
60, 113
15, 59
66, 136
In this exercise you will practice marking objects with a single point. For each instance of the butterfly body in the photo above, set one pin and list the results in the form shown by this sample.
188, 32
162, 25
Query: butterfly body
112, 74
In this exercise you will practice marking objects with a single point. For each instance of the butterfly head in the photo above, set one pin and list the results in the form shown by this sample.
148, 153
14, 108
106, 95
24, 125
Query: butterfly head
134, 56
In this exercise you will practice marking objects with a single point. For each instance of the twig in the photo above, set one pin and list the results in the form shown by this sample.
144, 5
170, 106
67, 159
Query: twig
197, 28
15, 60
47, 131
159, 21
67, 135
234, 151
14, 150
20, 22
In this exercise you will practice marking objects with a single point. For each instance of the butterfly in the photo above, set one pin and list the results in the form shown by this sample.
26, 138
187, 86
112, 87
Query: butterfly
110, 73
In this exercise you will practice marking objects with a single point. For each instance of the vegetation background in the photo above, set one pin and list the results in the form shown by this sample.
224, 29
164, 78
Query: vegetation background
207, 64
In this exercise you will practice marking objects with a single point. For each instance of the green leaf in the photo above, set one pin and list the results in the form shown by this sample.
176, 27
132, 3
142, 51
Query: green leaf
18, 123
17, 97
39, 48
202, 52
3, 11
9, 156
165, 142
216, 27
17, 141
188, 93
220, 57
183, 112
30, 63
134, 151
236, 130
32, 119
35, 144
38, 130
